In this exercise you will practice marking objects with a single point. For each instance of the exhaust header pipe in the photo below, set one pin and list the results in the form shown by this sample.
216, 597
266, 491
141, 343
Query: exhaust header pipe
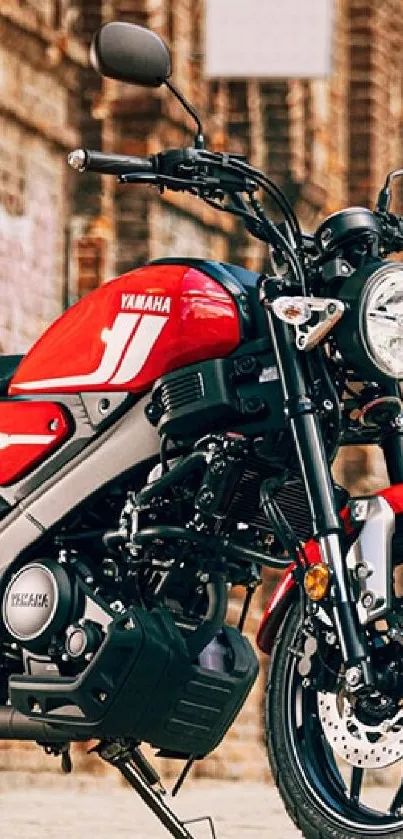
16, 726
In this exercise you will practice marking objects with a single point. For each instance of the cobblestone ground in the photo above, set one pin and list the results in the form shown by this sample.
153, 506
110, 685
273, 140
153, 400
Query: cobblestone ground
78, 807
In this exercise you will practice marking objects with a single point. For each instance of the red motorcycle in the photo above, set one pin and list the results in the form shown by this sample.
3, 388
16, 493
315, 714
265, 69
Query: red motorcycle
169, 436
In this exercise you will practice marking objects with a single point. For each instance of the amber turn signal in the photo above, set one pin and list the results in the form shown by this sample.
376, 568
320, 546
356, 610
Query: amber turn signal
316, 581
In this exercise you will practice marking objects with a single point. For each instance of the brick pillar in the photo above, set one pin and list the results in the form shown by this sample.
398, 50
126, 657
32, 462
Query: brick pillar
338, 169
256, 252
91, 231
376, 44
361, 100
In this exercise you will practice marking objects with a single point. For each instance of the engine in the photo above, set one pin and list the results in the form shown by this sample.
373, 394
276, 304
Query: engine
121, 632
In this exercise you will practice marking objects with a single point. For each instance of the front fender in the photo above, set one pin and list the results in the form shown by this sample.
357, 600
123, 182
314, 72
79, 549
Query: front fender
286, 590
281, 599
273, 615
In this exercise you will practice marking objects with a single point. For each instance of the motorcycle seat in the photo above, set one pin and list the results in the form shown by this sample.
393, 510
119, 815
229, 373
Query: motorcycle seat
8, 366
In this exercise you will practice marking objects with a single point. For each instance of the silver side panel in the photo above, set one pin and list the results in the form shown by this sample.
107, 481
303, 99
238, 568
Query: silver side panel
129, 441
370, 557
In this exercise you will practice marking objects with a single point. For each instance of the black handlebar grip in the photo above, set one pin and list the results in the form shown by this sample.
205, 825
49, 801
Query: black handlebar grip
87, 160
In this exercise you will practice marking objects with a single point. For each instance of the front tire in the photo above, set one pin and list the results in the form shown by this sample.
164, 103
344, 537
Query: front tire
318, 799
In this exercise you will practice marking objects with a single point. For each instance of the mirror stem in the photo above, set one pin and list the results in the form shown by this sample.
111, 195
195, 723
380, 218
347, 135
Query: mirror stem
199, 138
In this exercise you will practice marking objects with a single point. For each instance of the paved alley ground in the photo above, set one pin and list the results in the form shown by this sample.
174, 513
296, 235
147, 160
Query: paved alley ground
48, 806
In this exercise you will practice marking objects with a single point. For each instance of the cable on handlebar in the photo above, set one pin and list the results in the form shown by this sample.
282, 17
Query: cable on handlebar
268, 185
279, 197
275, 193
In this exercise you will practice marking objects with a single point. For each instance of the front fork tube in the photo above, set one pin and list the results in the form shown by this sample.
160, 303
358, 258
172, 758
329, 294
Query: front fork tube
393, 452
303, 422
392, 445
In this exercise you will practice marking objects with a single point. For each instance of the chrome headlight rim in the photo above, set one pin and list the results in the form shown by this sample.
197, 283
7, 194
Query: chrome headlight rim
371, 286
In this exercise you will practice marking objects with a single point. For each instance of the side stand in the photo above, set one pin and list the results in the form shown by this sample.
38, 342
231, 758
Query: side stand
119, 755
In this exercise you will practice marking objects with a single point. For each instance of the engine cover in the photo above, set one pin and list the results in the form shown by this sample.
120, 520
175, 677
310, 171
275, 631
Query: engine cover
143, 683
39, 602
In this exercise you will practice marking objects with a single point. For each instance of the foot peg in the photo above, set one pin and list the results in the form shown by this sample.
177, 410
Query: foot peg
61, 750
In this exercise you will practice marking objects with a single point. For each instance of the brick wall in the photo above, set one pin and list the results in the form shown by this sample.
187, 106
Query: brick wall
31, 236
39, 120
298, 130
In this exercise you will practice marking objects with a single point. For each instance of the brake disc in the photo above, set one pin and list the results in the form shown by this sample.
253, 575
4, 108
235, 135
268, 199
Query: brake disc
368, 746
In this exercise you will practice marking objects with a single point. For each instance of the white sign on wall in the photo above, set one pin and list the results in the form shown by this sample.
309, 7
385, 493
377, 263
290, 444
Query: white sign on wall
268, 38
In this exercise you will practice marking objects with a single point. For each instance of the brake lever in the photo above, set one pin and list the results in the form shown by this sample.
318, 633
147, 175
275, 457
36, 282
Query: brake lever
391, 230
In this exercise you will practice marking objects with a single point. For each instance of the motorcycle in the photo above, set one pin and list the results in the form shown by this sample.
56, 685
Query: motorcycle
166, 439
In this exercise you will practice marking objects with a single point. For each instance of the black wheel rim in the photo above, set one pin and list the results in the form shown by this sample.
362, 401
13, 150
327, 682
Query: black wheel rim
318, 771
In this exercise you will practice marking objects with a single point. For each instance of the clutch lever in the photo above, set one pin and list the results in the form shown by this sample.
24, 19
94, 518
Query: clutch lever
138, 177
198, 185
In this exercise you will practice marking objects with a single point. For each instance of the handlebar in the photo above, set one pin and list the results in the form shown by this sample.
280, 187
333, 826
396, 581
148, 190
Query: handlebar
177, 169
182, 163
219, 178
222, 180
88, 160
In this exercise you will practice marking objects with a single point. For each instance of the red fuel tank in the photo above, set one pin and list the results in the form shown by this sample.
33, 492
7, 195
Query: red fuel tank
132, 330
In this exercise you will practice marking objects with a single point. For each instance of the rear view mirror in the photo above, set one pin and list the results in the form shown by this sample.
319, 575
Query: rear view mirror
130, 53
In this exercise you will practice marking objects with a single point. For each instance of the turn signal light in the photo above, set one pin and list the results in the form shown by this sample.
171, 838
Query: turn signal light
316, 581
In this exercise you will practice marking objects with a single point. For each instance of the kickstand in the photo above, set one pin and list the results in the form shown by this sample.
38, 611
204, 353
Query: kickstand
118, 754
207, 819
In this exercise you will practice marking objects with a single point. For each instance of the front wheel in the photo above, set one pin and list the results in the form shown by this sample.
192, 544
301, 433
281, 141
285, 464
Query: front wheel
306, 733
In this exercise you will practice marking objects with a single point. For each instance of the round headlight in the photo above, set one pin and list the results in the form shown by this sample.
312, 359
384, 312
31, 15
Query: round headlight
381, 319
370, 334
